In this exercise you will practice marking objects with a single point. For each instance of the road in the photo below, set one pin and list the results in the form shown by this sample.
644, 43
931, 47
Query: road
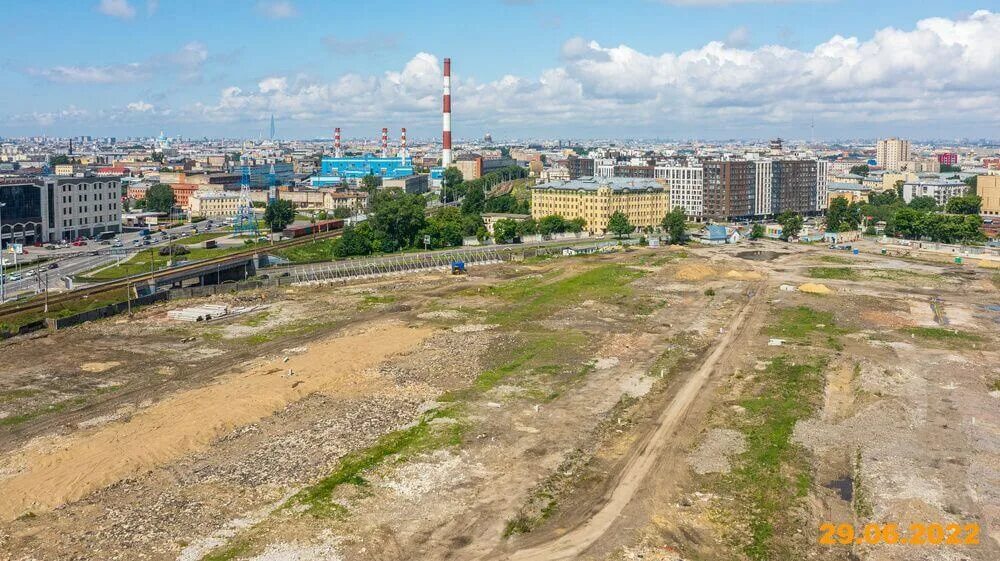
644, 456
71, 261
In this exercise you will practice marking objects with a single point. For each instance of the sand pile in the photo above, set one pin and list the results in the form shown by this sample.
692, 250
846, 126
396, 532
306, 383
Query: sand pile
694, 272
814, 288
743, 275
97, 367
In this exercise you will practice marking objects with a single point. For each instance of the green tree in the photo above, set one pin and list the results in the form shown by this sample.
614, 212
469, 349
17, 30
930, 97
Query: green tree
397, 219
527, 227
278, 214
841, 216
619, 225
59, 160
863, 170
923, 204
971, 181
370, 183
969, 204
354, 241
505, 230
444, 227
551, 224
342, 212
907, 222
791, 224
757, 231
575, 225
474, 201
450, 185
675, 225
160, 198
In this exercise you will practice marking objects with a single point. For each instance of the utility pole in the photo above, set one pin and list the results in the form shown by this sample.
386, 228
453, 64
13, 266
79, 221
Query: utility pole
3, 294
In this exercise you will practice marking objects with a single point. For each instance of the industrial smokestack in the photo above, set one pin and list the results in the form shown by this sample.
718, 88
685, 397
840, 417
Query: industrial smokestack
336, 143
385, 142
446, 130
402, 143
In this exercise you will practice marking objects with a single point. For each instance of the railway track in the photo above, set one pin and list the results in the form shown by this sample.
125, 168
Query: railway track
55, 301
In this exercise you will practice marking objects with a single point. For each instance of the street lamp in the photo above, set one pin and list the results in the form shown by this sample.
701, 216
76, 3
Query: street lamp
3, 294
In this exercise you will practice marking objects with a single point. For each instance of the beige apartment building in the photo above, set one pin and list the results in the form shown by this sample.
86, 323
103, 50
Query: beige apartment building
891, 152
988, 188
212, 204
644, 201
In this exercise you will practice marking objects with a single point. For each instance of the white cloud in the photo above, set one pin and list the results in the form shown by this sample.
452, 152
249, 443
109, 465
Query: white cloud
738, 37
140, 106
152, 6
187, 63
277, 9
116, 8
268, 85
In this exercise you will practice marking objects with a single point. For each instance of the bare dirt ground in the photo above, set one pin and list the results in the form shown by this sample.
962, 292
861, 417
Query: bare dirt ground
624, 406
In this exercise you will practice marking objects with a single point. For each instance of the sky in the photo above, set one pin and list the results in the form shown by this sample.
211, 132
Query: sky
671, 69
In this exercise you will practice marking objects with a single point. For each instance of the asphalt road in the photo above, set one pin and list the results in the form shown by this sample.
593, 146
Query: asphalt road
71, 261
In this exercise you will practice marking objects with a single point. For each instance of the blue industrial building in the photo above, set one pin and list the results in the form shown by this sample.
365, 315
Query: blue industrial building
334, 171
262, 178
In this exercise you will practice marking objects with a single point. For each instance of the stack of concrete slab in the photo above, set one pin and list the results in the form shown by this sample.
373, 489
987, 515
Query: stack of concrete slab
204, 312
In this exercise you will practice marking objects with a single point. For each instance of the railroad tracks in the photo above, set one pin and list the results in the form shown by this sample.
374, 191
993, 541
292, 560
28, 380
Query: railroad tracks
57, 301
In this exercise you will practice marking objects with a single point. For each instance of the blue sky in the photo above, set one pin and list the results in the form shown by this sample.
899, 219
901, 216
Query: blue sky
543, 68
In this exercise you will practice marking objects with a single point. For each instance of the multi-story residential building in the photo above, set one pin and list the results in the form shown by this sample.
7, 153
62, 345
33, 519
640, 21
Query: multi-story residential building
763, 179
644, 201
947, 159
579, 167
822, 168
940, 190
634, 171
793, 186
728, 189
413, 184
211, 204
685, 183
81, 206
988, 188
851, 192
891, 151
22, 218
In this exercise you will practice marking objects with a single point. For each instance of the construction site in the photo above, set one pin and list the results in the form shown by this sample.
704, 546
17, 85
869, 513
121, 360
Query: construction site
669, 403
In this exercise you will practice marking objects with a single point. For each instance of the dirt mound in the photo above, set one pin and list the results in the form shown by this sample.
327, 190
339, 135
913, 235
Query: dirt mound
97, 367
694, 272
743, 275
815, 288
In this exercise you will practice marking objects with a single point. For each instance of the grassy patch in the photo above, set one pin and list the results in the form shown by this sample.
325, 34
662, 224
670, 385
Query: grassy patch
373, 300
995, 279
314, 252
256, 320
12, 395
288, 330
56, 407
834, 259
773, 474
943, 334
836, 273
202, 237
399, 445
802, 322
533, 300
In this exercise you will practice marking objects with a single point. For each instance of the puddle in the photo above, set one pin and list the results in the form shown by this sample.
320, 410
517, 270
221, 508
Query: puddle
843, 486
759, 255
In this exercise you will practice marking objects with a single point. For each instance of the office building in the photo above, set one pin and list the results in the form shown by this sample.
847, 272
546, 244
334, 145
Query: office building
644, 201
213, 204
81, 206
728, 189
891, 152
416, 184
22, 218
580, 167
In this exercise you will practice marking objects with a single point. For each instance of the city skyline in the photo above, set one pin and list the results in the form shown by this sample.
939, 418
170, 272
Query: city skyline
716, 69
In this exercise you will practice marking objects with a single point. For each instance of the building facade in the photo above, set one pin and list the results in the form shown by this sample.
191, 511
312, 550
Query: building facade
685, 183
988, 188
81, 206
580, 167
941, 190
22, 218
212, 204
763, 179
644, 202
793, 186
891, 152
334, 171
728, 189
416, 184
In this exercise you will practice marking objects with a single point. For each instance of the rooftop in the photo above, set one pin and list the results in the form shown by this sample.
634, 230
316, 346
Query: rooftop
616, 184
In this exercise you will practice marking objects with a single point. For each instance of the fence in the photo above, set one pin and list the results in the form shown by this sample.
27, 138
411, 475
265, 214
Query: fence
394, 265
104, 311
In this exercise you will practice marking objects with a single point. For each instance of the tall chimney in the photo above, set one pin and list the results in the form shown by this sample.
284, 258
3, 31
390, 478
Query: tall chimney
446, 129
336, 143
385, 142
402, 143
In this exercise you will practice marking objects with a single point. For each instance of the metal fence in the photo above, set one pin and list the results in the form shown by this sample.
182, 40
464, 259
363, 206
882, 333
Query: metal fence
397, 264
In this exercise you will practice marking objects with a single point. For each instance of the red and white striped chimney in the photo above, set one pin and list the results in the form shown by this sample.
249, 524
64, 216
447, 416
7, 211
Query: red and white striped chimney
446, 130
336, 143
402, 142
385, 142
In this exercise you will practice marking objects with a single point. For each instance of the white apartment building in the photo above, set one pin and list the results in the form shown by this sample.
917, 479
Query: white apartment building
81, 206
940, 190
685, 182
762, 187
891, 152
822, 182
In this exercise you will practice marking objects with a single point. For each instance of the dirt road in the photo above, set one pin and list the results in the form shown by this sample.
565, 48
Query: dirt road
645, 455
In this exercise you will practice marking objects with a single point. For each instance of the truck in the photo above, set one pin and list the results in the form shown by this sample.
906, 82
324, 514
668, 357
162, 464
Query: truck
144, 233
458, 267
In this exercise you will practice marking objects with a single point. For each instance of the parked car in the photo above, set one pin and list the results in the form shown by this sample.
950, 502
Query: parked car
51, 266
14, 277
